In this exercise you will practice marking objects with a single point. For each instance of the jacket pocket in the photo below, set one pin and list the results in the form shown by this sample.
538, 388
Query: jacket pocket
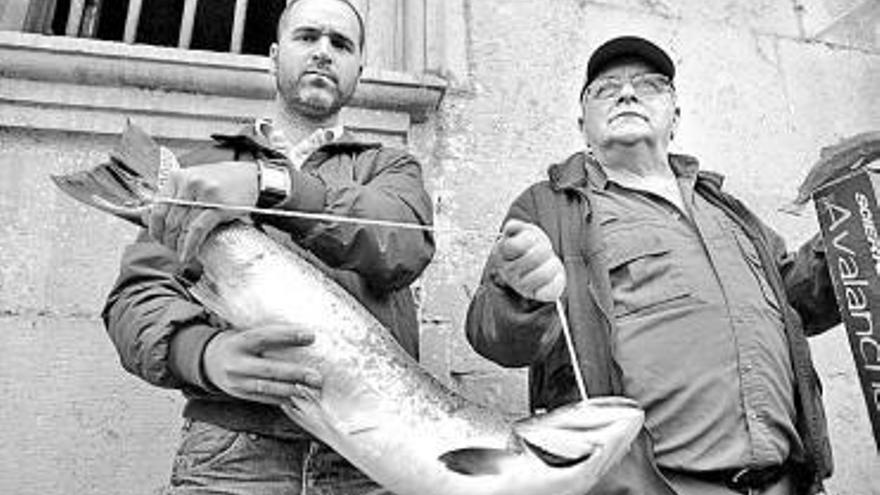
645, 274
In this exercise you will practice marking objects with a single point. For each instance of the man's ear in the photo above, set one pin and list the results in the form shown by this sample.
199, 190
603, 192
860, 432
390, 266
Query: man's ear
676, 117
273, 57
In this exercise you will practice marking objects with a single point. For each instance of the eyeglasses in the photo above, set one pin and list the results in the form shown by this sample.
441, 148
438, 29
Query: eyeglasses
650, 84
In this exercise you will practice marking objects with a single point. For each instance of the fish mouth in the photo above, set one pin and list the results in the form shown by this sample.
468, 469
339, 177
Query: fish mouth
561, 461
612, 401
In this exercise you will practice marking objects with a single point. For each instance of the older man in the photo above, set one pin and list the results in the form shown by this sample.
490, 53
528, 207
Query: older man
235, 440
677, 296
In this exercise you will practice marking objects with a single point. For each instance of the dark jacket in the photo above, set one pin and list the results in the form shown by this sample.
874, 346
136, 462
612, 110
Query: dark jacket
515, 331
160, 332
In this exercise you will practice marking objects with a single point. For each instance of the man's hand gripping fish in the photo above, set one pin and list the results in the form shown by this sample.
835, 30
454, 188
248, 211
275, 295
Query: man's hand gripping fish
377, 407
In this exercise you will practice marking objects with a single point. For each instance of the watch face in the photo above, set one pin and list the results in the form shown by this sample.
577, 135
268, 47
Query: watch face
274, 183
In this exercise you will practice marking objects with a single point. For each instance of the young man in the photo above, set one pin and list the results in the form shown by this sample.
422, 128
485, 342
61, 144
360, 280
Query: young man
677, 296
235, 439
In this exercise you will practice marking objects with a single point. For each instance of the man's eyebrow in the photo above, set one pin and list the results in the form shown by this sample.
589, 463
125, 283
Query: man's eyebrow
329, 32
307, 29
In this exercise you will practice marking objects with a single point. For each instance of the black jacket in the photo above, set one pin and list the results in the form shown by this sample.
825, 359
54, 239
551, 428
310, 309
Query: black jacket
160, 331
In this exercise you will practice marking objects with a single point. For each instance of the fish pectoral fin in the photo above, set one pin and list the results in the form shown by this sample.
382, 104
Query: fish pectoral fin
476, 461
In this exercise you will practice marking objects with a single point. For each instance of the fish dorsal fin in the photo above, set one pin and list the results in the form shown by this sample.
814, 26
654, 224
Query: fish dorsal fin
476, 461
138, 152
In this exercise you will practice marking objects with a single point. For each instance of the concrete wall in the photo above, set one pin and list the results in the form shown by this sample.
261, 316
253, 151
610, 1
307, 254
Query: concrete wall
763, 85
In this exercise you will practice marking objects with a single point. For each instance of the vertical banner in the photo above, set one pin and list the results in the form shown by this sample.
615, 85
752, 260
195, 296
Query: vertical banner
848, 216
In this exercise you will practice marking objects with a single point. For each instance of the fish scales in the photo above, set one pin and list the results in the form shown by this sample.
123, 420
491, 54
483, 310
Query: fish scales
375, 399
254, 281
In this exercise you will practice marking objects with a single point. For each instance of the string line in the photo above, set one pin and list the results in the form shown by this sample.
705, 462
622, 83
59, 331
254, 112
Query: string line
560, 310
569, 343
324, 217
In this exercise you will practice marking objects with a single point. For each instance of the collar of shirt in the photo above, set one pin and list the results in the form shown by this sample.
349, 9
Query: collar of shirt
297, 153
684, 167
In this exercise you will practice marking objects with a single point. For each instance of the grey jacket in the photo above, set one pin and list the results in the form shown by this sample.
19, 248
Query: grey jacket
514, 331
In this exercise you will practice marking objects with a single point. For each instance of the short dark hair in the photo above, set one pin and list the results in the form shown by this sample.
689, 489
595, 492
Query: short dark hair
283, 19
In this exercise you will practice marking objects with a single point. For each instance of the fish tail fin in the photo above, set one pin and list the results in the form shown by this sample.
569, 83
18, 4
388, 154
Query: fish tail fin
126, 184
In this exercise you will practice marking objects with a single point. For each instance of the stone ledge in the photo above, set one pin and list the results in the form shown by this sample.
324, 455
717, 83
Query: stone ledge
92, 109
84, 62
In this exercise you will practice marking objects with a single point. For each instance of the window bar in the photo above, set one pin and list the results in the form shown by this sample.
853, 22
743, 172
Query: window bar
383, 37
187, 24
435, 45
131, 20
399, 52
414, 35
238, 25
75, 17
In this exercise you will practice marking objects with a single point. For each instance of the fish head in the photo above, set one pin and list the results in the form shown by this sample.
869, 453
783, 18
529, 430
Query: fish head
565, 451
584, 439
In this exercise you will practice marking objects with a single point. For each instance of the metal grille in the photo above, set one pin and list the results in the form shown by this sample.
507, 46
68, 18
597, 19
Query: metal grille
398, 31
83, 17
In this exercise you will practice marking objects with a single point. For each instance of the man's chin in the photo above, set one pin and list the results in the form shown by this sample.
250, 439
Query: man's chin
629, 137
317, 107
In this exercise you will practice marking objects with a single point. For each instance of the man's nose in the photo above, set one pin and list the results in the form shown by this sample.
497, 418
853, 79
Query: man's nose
627, 92
323, 50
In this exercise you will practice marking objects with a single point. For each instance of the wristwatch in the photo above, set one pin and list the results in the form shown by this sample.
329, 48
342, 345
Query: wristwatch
273, 181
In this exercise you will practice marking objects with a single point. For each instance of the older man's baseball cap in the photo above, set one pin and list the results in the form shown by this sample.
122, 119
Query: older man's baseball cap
628, 46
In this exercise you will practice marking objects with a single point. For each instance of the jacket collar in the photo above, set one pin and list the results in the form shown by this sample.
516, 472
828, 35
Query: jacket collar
573, 175
248, 139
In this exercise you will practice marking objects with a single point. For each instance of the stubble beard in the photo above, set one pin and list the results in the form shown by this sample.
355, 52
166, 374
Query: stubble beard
311, 102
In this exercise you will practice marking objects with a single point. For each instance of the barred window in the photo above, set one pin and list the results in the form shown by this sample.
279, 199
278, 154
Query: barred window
190, 67
400, 33
237, 26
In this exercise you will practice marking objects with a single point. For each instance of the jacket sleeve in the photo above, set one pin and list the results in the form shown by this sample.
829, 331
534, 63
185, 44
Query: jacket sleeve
391, 189
503, 326
808, 285
158, 330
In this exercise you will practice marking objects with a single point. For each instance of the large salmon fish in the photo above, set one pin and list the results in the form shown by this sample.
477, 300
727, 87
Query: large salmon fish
377, 407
